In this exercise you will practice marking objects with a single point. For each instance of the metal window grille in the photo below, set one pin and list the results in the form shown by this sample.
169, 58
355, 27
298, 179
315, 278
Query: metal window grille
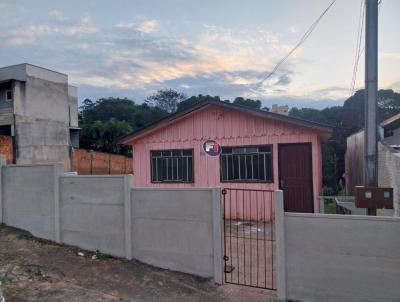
253, 163
172, 166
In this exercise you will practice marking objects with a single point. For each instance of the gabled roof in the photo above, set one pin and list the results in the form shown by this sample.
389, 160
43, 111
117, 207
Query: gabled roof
325, 130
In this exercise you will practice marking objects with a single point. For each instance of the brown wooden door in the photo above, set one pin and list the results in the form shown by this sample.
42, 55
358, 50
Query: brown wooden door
295, 177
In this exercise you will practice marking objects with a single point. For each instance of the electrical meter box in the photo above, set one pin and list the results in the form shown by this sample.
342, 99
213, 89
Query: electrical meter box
374, 198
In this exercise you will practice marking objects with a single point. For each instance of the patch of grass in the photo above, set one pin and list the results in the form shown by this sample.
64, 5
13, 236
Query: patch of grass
25, 236
101, 256
330, 208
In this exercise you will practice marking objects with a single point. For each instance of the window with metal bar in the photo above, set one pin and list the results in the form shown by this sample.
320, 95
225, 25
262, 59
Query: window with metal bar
172, 165
246, 164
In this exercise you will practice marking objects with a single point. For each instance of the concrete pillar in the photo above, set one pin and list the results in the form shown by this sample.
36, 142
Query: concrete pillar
2, 163
128, 216
280, 245
218, 221
57, 172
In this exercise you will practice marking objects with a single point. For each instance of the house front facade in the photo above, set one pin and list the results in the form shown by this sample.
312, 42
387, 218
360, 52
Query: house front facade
259, 151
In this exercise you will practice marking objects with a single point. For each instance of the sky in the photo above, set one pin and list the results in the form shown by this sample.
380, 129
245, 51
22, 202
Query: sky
226, 47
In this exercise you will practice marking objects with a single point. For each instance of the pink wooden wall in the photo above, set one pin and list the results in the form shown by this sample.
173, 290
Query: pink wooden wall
229, 128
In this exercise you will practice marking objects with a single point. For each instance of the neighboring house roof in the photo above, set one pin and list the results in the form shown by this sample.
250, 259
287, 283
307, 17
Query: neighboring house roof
392, 122
325, 130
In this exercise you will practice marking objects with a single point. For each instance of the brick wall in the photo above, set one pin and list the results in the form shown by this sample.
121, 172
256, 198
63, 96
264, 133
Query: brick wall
87, 162
6, 148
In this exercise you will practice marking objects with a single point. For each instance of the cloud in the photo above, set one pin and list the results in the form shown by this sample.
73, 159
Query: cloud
293, 29
283, 80
133, 56
57, 14
22, 35
83, 46
389, 55
148, 26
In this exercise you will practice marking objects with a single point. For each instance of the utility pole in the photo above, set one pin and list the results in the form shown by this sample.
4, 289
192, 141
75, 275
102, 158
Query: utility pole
371, 97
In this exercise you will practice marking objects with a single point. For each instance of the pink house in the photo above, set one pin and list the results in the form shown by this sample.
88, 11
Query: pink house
260, 151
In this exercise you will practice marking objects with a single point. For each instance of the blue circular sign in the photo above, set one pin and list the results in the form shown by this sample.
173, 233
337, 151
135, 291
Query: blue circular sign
212, 148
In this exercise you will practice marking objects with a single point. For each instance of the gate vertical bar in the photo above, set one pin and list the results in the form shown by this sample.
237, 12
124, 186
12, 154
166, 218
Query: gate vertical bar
224, 221
230, 233
272, 242
280, 245
251, 246
244, 238
237, 237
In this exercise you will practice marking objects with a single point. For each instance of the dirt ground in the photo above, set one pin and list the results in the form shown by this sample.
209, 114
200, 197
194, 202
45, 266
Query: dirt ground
37, 270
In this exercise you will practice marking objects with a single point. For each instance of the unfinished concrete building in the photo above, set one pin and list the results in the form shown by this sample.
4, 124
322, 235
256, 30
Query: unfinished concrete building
39, 111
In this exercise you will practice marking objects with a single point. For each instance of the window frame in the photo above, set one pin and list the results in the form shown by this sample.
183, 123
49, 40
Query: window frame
171, 181
12, 95
267, 181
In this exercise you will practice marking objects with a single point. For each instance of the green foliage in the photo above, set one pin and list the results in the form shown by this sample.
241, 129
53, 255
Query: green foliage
105, 120
345, 120
101, 256
195, 100
167, 100
102, 135
255, 104
330, 208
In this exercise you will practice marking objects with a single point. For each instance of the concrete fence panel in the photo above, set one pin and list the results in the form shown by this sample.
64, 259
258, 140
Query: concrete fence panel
28, 194
173, 229
92, 213
178, 229
338, 257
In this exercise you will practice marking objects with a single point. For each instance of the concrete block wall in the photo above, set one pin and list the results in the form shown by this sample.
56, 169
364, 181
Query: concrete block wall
337, 257
178, 229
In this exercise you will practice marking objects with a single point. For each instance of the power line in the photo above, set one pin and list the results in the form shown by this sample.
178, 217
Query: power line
360, 52
302, 40
358, 46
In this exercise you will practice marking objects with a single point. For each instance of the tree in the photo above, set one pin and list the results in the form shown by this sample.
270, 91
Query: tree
103, 121
167, 100
345, 120
255, 104
197, 99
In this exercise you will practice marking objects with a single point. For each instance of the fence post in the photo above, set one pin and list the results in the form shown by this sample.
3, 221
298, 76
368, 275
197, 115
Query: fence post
91, 162
321, 205
280, 245
128, 216
217, 235
2, 163
109, 164
58, 170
